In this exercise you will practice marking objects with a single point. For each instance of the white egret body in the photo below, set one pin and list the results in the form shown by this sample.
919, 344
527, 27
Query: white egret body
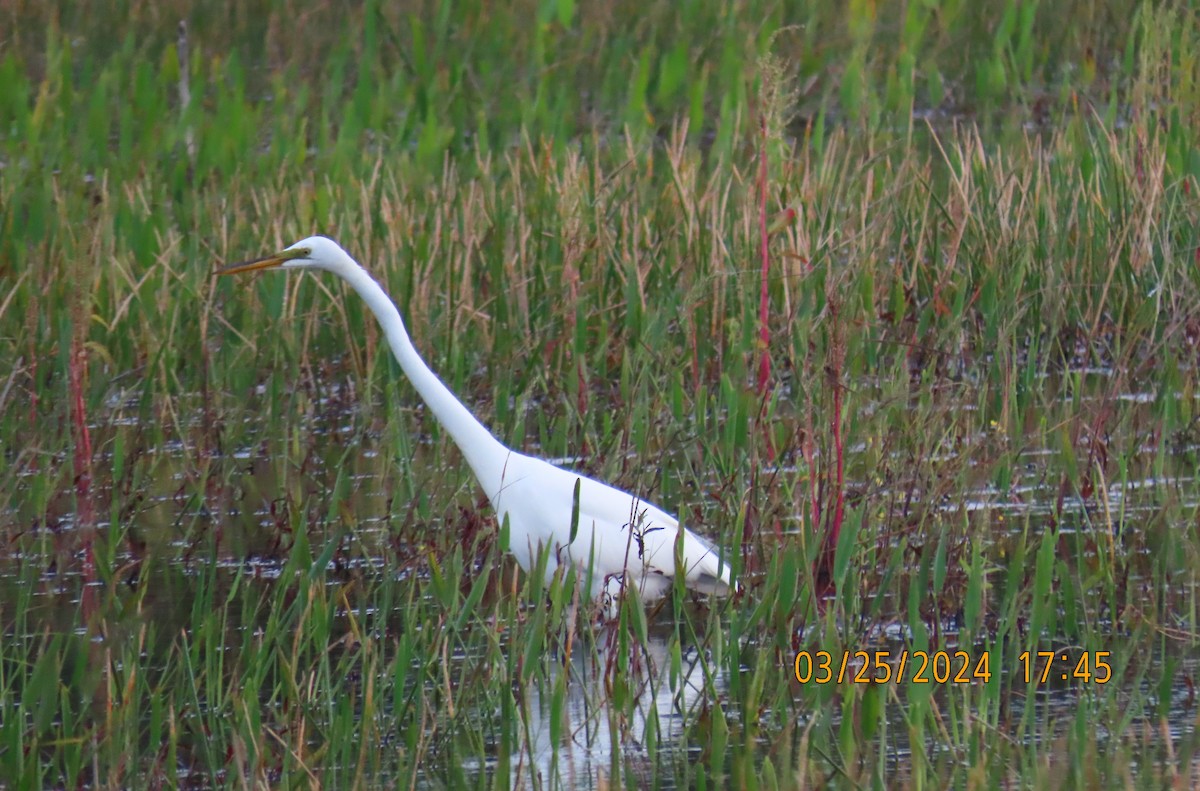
618, 537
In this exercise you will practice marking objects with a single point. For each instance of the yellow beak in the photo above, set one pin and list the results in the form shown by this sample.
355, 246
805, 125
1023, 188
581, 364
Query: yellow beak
266, 262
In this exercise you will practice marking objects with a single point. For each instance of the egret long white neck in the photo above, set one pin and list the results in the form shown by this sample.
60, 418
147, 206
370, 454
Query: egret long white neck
472, 437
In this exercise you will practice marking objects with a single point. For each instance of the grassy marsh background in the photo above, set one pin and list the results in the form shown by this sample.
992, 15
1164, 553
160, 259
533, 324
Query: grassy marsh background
263, 563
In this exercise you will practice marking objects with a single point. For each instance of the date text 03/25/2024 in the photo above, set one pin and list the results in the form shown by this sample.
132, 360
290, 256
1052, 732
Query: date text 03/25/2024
946, 667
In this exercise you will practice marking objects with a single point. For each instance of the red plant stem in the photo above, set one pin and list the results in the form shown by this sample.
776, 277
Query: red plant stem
83, 440
837, 362
839, 508
83, 473
764, 336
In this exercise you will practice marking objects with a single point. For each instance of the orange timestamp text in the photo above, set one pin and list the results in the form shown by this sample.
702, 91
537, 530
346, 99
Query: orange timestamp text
1039, 667
881, 667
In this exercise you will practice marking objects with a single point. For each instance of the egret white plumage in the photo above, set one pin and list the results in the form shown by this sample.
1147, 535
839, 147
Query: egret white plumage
617, 537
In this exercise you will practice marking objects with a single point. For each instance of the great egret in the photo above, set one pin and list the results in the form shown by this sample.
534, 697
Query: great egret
617, 536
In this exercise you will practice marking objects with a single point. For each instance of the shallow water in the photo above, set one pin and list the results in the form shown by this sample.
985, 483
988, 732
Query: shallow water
238, 535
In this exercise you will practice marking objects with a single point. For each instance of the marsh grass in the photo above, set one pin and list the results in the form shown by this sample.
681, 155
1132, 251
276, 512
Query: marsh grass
991, 266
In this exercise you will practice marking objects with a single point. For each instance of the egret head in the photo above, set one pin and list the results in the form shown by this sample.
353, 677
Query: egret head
315, 252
